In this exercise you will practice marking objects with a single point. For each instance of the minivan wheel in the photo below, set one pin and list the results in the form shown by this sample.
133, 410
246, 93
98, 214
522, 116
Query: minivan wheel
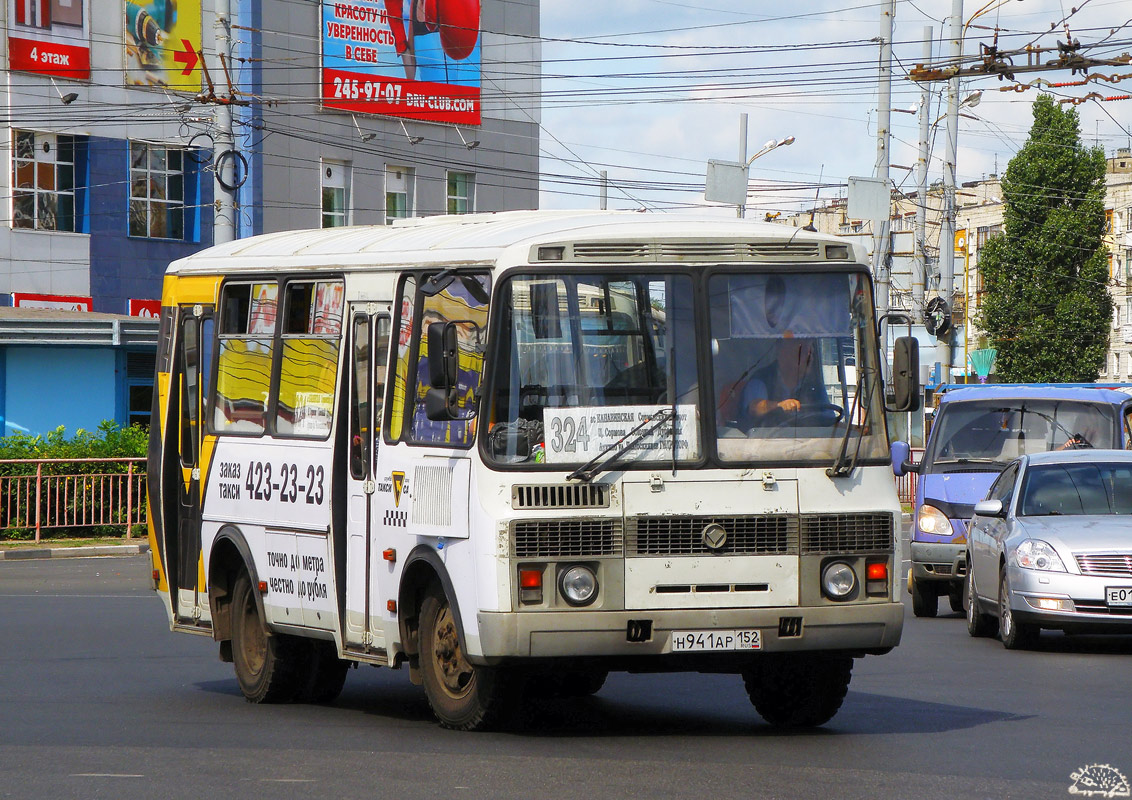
925, 602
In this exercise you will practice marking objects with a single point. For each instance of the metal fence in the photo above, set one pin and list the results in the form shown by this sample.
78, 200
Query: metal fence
38, 499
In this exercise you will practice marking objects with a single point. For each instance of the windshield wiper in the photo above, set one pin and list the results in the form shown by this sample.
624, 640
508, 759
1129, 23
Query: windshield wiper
966, 460
609, 455
843, 465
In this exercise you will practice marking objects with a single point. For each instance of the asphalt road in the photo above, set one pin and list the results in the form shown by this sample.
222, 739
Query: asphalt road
99, 699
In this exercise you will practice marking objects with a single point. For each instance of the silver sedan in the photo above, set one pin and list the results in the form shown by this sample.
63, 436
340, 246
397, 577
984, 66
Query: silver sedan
1051, 547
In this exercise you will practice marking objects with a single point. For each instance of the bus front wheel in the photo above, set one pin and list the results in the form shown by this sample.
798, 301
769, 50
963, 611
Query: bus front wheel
463, 696
798, 690
266, 664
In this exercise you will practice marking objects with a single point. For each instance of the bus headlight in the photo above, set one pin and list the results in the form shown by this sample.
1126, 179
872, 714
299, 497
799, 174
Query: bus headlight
838, 580
578, 585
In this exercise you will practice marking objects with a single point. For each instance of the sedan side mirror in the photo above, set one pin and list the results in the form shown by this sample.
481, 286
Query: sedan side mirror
990, 508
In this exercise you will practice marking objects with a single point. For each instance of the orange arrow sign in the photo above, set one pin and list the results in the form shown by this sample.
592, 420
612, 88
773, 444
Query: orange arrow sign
187, 55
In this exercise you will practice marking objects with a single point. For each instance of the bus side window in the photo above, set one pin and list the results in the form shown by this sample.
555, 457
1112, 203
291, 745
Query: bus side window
244, 359
312, 332
1128, 428
405, 308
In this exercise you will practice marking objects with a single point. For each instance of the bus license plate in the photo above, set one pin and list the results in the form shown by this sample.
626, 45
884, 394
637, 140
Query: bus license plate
1118, 595
692, 641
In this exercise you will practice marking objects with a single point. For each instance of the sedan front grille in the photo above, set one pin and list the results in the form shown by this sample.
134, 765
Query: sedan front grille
1115, 565
847, 533
566, 537
684, 535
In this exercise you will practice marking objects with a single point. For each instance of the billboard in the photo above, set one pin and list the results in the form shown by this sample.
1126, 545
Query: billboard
163, 38
415, 59
50, 37
54, 302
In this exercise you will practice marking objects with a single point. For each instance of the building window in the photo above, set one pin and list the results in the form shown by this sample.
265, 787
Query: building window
398, 193
157, 191
461, 186
335, 194
985, 232
43, 180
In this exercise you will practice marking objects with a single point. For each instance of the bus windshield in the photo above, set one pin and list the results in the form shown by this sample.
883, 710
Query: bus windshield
993, 432
587, 362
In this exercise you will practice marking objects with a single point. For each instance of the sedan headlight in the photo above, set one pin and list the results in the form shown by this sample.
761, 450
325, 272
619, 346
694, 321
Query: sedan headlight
1036, 554
932, 520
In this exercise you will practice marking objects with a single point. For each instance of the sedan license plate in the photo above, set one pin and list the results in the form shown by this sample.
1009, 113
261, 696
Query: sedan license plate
1118, 595
692, 641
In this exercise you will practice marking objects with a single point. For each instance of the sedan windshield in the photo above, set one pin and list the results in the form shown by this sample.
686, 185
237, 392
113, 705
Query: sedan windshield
1077, 489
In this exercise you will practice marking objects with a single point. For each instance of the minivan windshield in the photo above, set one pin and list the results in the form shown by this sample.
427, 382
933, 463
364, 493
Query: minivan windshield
987, 434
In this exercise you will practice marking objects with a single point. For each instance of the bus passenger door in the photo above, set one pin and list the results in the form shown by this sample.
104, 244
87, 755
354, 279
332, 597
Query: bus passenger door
185, 569
369, 345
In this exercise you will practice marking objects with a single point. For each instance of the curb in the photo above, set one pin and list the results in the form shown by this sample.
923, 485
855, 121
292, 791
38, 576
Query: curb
75, 552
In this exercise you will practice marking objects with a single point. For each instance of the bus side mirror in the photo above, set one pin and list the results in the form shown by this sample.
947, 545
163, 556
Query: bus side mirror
906, 374
443, 366
442, 355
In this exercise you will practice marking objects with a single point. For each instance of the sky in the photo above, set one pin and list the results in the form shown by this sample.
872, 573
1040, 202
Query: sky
650, 90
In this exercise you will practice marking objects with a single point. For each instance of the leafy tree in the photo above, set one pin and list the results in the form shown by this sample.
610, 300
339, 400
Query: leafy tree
1047, 309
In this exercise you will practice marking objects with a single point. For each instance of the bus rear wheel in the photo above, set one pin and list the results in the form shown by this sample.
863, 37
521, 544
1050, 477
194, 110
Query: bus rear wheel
266, 664
463, 696
798, 690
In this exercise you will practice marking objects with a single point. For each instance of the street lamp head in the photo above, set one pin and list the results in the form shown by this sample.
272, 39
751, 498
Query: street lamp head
972, 100
787, 141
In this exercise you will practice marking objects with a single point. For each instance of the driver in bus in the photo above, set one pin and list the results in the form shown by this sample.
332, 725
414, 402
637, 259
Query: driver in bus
786, 386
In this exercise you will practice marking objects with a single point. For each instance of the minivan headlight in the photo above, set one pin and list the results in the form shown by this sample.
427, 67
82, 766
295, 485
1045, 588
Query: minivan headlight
932, 520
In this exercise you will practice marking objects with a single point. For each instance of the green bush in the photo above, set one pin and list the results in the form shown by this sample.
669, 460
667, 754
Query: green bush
109, 441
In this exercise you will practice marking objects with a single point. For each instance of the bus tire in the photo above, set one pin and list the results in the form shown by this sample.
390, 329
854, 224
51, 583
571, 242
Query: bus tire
463, 696
326, 674
925, 602
267, 665
798, 690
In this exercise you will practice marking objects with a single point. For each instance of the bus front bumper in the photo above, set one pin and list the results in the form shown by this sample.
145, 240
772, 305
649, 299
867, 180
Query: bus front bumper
863, 628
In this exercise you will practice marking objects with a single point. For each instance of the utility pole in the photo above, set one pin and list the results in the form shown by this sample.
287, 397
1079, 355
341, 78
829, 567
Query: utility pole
919, 247
881, 266
947, 227
224, 220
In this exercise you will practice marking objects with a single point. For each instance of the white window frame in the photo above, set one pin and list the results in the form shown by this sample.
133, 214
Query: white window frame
400, 181
160, 182
468, 198
46, 201
336, 178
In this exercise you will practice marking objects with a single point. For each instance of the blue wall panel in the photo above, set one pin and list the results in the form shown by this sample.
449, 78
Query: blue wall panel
121, 266
75, 387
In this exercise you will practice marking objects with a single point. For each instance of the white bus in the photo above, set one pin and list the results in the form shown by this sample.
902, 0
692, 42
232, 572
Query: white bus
515, 452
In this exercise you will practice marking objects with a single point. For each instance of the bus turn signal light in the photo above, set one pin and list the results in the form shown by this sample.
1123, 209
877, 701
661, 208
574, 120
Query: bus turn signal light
530, 585
877, 572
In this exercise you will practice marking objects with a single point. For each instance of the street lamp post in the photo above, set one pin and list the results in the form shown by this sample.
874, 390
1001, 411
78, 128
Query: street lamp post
741, 210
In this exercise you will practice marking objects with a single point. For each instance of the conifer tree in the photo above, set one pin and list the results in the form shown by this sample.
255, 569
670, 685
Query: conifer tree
1046, 307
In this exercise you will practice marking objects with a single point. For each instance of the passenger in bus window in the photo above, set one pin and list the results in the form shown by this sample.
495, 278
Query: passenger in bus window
785, 386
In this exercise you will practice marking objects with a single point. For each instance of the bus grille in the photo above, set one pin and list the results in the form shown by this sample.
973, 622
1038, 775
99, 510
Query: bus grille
566, 537
847, 533
1116, 565
567, 495
682, 536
